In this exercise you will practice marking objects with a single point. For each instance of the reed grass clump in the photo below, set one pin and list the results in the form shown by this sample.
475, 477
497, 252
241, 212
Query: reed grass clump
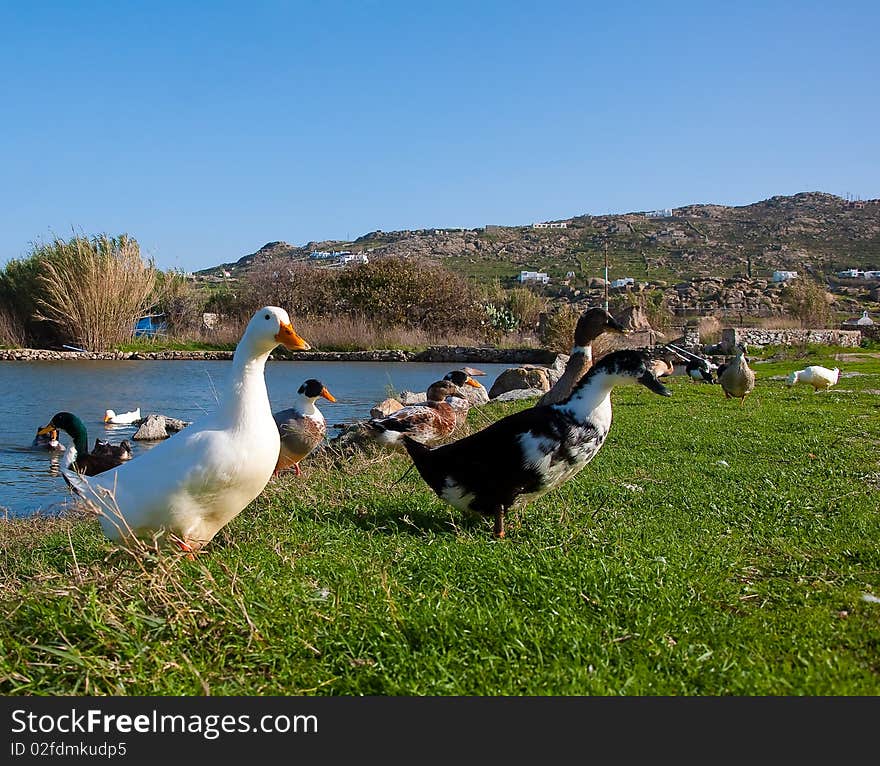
95, 289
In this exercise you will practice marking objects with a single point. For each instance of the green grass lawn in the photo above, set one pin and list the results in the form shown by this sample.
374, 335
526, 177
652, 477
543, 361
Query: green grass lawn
709, 549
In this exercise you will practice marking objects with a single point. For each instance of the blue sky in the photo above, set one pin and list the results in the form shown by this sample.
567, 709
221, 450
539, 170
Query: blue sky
208, 129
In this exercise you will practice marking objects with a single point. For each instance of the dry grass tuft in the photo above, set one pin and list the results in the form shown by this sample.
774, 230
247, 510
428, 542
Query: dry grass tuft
95, 289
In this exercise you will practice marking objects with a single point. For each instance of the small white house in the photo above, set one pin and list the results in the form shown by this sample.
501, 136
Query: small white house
665, 212
352, 258
863, 321
623, 282
784, 276
850, 274
533, 276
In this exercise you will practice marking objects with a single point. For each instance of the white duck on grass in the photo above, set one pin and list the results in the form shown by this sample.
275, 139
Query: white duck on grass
197, 481
819, 377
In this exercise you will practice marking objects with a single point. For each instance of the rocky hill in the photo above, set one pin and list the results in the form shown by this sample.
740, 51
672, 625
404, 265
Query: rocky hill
810, 232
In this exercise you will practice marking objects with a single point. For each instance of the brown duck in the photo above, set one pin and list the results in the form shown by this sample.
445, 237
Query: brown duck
428, 422
592, 323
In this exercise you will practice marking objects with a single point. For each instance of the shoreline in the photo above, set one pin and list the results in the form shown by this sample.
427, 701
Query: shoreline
452, 354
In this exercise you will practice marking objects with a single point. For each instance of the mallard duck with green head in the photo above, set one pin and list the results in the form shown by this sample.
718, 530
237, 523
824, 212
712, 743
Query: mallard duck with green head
102, 457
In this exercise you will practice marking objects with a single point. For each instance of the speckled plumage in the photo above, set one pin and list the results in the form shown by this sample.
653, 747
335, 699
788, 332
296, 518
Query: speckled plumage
429, 422
591, 324
301, 427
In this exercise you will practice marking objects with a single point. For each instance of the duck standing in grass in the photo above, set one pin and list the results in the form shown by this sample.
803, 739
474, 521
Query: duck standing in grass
302, 427
591, 324
102, 458
819, 377
427, 423
737, 379
197, 481
528, 453
700, 370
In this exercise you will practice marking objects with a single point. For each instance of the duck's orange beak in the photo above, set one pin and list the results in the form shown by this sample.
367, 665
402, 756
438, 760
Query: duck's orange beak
289, 339
471, 382
46, 430
327, 395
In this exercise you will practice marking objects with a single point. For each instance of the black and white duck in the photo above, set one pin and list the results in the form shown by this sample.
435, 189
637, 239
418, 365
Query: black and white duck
591, 324
102, 458
700, 370
429, 422
528, 453
472, 390
302, 427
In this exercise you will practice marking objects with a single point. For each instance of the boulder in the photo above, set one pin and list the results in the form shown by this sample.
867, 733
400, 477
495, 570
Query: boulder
518, 393
152, 429
515, 378
475, 396
412, 397
385, 407
155, 427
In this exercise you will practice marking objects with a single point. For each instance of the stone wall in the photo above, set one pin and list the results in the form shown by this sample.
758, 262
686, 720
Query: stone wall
754, 336
871, 332
452, 354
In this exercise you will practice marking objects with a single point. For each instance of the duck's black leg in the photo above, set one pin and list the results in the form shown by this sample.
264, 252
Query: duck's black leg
498, 531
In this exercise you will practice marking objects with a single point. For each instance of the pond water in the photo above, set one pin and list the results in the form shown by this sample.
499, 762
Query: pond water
32, 392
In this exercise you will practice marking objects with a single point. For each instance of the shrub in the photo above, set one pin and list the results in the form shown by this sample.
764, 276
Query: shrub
94, 289
180, 302
400, 291
20, 291
12, 333
302, 289
526, 306
558, 330
809, 302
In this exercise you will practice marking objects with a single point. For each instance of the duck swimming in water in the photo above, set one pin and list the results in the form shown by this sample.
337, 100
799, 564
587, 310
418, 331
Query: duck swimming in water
102, 458
526, 454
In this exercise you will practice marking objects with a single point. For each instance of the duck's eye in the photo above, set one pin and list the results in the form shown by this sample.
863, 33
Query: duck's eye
268, 316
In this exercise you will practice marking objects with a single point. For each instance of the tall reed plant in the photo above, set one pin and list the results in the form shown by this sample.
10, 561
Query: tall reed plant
95, 289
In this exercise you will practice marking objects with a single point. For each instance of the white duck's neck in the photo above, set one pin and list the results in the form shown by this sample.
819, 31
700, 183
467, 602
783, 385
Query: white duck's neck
591, 402
307, 407
247, 396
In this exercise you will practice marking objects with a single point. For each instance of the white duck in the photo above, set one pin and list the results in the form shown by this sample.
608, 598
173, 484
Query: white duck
123, 418
820, 378
197, 481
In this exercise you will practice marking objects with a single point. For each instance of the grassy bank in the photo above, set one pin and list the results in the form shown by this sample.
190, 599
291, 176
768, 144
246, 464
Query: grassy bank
708, 549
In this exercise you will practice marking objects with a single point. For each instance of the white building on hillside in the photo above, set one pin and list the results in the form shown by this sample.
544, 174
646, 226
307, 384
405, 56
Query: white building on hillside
534, 276
784, 276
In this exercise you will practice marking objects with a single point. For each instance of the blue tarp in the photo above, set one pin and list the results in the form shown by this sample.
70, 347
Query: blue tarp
148, 326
